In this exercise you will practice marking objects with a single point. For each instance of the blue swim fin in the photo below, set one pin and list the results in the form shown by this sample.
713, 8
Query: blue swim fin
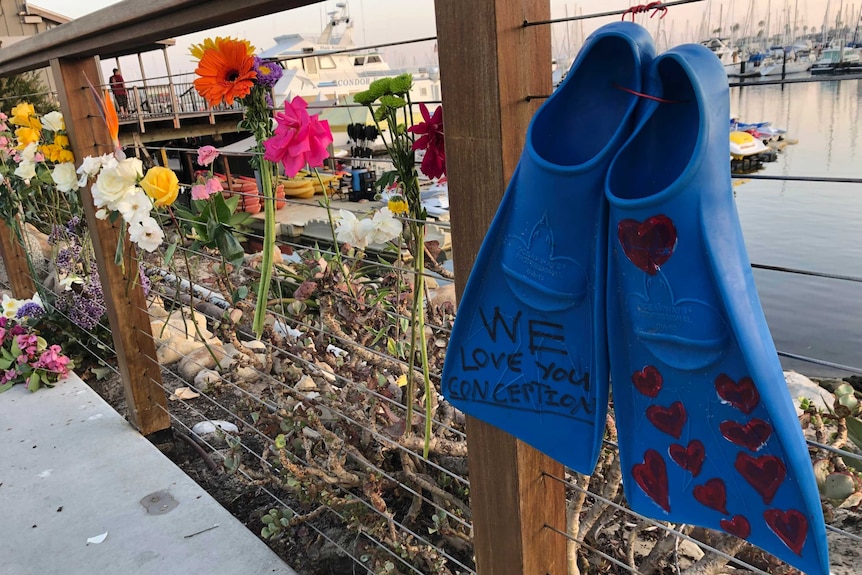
528, 349
707, 430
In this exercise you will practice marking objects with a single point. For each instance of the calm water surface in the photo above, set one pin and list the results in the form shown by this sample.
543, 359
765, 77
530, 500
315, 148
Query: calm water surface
809, 226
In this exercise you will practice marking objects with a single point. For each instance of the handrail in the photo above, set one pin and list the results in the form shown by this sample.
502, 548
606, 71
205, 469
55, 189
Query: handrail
129, 26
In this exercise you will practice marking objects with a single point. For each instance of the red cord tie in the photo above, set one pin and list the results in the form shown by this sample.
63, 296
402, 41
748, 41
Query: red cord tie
648, 96
655, 7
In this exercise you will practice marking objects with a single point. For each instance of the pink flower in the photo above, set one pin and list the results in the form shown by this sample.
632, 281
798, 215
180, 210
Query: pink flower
431, 140
213, 186
299, 139
53, 360
38, 157
206, 155
199, 192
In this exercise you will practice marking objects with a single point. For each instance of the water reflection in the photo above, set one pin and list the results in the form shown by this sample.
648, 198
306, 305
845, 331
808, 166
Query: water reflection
811, 226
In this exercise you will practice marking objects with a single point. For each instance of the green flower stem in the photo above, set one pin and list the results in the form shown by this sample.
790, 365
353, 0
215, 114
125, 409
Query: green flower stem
419, 319
268, 246
335, 247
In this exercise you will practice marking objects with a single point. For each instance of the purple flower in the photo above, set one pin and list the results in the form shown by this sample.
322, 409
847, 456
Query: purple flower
268, 72
30, 309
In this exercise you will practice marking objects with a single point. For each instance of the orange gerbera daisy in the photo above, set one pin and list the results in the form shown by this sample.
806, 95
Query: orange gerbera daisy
226, 71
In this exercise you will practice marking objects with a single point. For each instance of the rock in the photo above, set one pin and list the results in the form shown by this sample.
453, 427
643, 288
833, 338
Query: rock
431, 283
336, 351
177, 348
193, 363
248, 374
206, 377
177, 325
209, 427
444, 294
156, 311
305, 384
829, 384
800, 386
690, 550
256, 346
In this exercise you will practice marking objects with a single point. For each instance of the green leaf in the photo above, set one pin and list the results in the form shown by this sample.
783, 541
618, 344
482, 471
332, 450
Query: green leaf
239, 218
5, 363
169, 253
392, 347
386, 179
280, 441
854, 431
118, 255
223, 212
33, 384
7, 386
240, 294
232, 202
230, 248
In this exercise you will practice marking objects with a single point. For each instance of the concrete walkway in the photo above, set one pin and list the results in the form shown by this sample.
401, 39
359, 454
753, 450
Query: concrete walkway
71, 468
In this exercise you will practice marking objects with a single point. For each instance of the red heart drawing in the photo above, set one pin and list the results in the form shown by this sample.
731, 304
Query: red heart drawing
668, 419
743, 395
648, 244
790, 526
689, 458
648, 381
738, 526
764, 473
712, 494
651, 476
753, 435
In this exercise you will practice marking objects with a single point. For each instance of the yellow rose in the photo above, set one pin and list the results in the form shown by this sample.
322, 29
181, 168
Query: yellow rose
61, 140
161, 185
21, 114
26, 136
65, 156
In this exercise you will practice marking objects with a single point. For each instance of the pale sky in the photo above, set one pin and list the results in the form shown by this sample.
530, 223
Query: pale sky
380, 21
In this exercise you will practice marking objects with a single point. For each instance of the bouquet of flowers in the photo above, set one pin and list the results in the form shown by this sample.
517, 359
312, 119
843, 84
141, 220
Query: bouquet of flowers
34, 155
24, 355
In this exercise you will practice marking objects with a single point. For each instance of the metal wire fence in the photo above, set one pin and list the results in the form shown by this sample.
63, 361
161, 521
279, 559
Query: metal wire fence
321, 411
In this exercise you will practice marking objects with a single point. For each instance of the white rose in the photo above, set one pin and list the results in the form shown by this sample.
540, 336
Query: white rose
26, 170
64, 176
53, 121
90, 167
116, 181
136, 206
146, 233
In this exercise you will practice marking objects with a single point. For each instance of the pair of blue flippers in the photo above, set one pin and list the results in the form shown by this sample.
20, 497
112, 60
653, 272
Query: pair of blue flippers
617, 244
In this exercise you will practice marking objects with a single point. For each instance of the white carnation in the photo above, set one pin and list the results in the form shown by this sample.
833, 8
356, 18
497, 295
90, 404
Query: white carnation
146, 233
384, 227
26, 170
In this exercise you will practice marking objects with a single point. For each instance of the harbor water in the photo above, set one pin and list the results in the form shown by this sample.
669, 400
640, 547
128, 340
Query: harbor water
812, 226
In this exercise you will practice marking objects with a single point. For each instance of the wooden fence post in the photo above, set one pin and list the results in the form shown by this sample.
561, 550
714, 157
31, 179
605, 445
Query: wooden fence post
485, 83
124, 297
15, 262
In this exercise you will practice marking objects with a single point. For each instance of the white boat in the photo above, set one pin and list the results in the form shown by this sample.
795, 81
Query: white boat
330, 68
795, 63
730, 57
838, 60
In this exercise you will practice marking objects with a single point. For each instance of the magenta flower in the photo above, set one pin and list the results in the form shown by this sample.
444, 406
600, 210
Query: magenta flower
206, 155
53, 360
299, 139
431, 140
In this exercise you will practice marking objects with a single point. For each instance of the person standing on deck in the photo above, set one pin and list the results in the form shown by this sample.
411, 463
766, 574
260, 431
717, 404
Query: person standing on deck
118, 87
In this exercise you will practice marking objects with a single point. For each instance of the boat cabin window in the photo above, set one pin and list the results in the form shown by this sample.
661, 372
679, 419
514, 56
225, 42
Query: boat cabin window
310, 65
326, 63
359, 61
374, 59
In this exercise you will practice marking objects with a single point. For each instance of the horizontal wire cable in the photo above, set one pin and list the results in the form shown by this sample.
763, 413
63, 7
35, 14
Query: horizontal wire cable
353, 384
272, 496
595, 550
651, 521
331, 409
812, 179
821, 362
353, 495
807, 273
619, 12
